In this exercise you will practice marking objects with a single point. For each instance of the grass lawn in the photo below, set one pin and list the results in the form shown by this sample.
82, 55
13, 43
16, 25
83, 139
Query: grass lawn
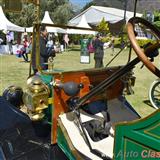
14, 71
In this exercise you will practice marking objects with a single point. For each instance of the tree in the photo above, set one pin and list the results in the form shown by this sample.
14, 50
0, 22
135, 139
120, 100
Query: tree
25, 18
63, 13
157, 19
103, 27
60, 12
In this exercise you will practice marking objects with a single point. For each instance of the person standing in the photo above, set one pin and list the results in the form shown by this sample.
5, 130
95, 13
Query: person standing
50, 42
45, 53
66, 41
24, 49
9, 39
99, 52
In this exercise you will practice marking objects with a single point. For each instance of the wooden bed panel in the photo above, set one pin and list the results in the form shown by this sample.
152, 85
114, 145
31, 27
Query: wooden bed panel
89, 80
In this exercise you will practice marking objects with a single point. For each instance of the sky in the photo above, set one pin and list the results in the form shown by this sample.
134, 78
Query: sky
81, 3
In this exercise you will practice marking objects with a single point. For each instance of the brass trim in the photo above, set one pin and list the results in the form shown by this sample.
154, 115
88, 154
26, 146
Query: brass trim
151, 134
50, 100
125, 145
141, 145
125, 123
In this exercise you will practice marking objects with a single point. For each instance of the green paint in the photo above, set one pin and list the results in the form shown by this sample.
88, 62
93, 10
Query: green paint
48, 112
62, 143
138, 140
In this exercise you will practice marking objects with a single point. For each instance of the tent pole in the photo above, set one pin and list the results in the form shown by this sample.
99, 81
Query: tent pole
130, 50
124, 18
135, 8
125, 9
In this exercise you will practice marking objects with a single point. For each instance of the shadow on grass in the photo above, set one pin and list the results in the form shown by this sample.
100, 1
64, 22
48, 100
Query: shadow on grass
22, 61
148, 103
74, 49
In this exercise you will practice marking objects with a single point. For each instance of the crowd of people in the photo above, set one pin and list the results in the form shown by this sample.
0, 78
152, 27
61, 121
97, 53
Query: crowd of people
48, 48
21, 46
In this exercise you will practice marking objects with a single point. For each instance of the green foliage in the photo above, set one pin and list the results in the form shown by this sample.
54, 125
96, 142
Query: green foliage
143, 42
25, 18
157, 24
157, 18
117, 40
60, 12
75, 38
103, 27
63, 13
106, 39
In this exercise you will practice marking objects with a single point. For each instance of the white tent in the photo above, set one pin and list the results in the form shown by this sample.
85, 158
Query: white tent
7, 25
94, 15
83, 23
47, 19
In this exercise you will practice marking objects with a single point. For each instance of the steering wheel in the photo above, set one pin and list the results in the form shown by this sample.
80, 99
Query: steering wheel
140, 53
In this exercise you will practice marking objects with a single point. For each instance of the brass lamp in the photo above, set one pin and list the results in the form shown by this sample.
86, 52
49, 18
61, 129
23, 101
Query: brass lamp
36, 98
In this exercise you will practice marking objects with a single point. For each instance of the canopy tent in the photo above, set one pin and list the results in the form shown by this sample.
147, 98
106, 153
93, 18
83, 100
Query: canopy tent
7, 25
47, 19
94, 15
82, 23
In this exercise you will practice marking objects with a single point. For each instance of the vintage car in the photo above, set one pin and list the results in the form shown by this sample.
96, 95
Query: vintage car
81, 114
